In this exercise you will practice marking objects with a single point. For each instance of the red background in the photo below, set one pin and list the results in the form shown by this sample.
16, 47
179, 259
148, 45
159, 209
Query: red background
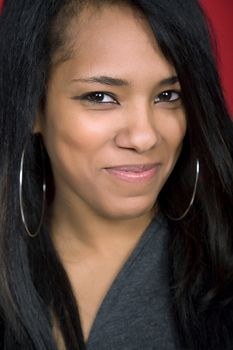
1, 4
220, 13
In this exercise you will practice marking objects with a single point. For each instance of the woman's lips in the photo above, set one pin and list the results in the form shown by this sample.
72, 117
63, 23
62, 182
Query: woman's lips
134, 173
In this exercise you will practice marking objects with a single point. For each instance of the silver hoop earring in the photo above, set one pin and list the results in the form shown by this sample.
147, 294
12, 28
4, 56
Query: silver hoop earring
193, 195
31, 234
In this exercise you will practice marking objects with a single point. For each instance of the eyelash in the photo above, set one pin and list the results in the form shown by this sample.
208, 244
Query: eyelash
93, 96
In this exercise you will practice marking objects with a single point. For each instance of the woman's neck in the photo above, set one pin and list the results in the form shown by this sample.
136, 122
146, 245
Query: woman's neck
78, 231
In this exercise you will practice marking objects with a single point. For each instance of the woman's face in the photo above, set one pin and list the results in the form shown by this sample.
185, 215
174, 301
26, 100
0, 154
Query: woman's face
114, 121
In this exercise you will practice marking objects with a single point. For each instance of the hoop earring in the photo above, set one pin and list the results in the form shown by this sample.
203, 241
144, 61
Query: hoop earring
193, 195
30, 234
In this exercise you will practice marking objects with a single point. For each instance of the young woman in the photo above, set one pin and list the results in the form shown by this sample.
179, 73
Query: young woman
116, 178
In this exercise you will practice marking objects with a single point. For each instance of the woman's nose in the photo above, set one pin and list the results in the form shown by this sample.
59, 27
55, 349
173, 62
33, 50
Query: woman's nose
139, 132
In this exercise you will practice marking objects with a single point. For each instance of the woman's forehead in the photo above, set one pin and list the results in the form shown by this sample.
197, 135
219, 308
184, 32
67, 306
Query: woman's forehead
76, 28
115, 42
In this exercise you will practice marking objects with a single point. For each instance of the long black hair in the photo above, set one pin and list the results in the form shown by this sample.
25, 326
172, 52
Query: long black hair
35, 291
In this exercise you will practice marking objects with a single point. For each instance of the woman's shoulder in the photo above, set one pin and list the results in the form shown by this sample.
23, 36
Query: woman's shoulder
2, 331
7, 341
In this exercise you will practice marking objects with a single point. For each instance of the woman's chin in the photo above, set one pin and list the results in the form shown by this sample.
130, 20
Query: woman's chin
125, 212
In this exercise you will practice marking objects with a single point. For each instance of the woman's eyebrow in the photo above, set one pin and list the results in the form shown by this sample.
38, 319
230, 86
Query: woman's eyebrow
168, 81
106, 80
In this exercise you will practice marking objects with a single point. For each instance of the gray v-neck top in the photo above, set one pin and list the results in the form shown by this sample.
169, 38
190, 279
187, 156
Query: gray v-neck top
136, 312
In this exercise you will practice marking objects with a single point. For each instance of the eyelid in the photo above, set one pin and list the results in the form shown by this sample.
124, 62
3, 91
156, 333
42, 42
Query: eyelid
176, 91
87, 97
84, 97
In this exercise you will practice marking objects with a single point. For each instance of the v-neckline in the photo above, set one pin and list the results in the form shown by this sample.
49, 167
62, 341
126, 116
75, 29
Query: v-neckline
110, 294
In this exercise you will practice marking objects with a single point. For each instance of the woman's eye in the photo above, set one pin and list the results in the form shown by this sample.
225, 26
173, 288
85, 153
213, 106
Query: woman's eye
168, 96
99, 97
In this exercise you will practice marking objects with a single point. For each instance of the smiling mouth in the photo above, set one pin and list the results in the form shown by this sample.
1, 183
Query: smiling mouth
134, 173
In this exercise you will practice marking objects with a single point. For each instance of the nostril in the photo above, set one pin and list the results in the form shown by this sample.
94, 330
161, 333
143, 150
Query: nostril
137, 138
